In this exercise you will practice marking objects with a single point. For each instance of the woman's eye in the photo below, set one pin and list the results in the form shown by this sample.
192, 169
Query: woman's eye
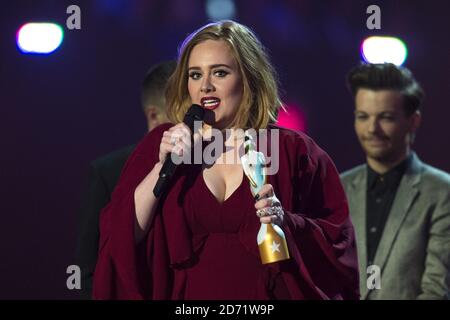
194, 75
220, 73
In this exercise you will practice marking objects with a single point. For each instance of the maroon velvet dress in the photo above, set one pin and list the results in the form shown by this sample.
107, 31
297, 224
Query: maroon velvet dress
225, 269
198, 248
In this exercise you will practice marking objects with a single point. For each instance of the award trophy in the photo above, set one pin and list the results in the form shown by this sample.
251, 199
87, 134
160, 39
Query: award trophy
271, 239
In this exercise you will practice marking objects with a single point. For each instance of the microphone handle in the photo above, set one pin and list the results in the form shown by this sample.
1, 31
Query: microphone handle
195, 113
166, 172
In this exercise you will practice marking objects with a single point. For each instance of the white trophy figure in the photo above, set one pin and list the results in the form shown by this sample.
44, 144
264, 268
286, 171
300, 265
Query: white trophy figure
271, 239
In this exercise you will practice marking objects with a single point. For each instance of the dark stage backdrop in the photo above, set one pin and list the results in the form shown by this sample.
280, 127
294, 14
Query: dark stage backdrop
61, 111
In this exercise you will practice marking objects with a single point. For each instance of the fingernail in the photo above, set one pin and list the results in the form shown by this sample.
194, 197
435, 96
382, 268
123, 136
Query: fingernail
257, 197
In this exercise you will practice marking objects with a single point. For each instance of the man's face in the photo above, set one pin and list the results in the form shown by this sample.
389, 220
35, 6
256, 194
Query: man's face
382, 127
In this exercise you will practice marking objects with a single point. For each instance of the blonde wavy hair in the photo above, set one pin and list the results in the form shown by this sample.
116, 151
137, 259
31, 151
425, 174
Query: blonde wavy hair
260, 100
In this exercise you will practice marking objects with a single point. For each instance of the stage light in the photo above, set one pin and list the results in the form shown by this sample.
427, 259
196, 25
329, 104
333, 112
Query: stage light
292, 117
220, 9
39, 37
384, 49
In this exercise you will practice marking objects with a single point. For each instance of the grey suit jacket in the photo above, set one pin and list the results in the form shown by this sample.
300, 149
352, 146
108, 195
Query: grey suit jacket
414, 251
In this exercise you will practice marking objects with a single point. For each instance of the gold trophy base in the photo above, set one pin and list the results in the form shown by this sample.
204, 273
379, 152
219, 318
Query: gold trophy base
272, 244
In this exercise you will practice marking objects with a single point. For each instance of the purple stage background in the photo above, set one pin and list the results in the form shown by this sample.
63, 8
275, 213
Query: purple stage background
61, 111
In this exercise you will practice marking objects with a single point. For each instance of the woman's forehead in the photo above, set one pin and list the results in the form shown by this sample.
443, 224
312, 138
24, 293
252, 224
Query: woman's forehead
211, 52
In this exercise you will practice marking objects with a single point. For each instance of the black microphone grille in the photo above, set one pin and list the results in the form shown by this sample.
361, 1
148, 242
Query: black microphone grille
196, 112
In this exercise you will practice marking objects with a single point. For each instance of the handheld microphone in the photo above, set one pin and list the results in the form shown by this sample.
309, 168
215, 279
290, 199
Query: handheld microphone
195, 113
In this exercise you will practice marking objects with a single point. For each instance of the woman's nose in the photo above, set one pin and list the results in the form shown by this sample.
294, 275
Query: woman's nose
206, 85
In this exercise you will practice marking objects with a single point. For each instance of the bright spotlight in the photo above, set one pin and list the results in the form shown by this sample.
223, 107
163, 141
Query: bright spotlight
384, 50
39, 37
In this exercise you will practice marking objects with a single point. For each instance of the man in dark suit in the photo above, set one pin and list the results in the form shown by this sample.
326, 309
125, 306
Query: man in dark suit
400, 206
104, 173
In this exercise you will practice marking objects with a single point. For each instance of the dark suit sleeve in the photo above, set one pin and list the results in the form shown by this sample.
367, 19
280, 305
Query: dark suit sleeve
95, 198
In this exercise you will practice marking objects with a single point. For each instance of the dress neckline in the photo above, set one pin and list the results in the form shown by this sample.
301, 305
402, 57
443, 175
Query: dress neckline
235, 191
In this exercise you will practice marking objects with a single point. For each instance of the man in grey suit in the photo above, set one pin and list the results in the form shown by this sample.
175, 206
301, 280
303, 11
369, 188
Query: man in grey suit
400, 206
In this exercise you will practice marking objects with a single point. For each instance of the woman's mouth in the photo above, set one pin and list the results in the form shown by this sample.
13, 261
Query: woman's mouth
210, 103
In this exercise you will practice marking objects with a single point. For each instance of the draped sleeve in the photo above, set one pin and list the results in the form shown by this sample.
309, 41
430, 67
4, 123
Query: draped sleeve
318, 229
125, 270
317, 224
